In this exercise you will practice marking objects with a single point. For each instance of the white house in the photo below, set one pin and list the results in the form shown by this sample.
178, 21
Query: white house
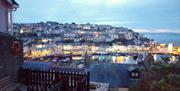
6, 8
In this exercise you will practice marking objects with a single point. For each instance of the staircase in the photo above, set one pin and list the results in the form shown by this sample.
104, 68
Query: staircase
6, 84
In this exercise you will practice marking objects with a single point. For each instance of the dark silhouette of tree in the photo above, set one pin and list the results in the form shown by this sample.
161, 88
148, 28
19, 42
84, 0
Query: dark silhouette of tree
165, 59
160, 77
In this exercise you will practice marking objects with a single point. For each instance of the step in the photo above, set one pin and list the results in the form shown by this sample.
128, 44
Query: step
6, 84
4, 80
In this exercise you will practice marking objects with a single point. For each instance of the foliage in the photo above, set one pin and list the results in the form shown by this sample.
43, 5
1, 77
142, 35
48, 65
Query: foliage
160, 77
91, 60
166, 59
92, 86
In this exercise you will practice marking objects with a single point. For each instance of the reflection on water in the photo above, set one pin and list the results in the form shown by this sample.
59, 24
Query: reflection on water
115, 59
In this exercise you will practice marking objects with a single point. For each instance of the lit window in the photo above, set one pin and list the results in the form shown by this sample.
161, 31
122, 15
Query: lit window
137, 74
132, 74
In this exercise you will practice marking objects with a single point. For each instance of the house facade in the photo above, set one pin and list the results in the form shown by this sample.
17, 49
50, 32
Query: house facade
11, 50
6, 9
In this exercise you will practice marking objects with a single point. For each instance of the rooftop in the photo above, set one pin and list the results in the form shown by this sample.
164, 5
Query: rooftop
13, 3
115, 74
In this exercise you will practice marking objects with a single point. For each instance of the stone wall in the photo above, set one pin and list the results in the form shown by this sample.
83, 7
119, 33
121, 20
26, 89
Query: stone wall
9, 63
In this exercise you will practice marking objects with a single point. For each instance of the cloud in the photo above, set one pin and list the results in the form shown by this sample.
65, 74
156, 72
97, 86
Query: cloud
98, 2
142, 15
116, 2
114, 23
157, 31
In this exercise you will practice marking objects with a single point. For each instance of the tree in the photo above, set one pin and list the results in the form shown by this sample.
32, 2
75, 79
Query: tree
160, 77
166, 59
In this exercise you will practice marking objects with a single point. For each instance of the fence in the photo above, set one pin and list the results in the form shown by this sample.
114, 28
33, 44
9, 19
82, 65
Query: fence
57, 79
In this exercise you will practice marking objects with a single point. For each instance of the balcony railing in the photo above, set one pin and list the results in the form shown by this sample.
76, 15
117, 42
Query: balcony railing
54, 79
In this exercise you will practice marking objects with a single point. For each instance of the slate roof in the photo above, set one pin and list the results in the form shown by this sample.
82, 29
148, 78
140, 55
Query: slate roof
115, 74
33, 65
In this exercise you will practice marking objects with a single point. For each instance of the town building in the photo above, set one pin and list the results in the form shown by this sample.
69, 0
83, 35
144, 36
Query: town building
6, 9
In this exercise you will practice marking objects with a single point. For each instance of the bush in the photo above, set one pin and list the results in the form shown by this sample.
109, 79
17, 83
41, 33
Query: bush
92, 86
160, 77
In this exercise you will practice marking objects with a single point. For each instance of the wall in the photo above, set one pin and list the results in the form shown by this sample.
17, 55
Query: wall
9, 63
3, 17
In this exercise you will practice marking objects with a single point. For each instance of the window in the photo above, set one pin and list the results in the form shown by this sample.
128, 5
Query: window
134, 74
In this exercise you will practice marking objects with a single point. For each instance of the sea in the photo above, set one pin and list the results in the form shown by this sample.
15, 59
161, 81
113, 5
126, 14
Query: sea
164, 38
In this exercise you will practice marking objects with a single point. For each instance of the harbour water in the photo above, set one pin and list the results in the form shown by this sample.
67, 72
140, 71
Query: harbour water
116, 59
163, 37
